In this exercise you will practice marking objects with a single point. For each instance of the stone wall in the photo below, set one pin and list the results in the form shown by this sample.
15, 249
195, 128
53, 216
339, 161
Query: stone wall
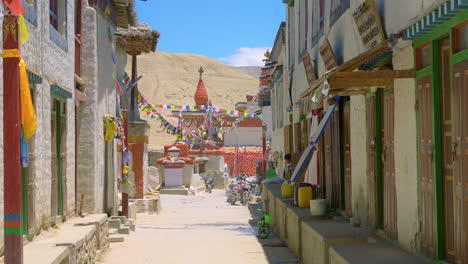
88, 149
97, 74
56, 66
406, 173
359, 181
153, 156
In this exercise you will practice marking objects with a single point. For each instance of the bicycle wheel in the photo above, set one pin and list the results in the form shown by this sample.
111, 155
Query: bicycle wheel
264, 232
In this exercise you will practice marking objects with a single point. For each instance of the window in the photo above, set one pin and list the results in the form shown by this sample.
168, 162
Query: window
318, 10
303, 27
423, 56
338, 7
57, 16
58, 23
291, 24
460, 37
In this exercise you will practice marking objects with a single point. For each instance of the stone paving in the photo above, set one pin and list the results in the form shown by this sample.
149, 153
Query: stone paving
196, 229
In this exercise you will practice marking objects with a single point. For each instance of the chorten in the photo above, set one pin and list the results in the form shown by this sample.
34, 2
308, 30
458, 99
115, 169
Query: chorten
201, 94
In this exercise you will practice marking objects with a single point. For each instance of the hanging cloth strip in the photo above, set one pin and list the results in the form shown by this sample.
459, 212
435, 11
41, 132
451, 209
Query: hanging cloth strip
28, 115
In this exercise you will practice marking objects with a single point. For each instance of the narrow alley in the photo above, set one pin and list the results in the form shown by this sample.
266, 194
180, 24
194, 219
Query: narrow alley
196, 229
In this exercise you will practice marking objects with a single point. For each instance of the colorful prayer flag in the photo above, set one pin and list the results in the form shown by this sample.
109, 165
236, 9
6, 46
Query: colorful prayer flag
126, 79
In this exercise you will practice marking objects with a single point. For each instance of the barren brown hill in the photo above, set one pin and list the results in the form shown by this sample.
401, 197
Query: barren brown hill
170, 78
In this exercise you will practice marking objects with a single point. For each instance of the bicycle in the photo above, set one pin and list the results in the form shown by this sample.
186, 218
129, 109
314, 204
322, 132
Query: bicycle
263, 228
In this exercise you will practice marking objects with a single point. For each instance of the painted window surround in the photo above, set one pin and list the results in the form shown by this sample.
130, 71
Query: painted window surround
60, 38
30, 11
432, 38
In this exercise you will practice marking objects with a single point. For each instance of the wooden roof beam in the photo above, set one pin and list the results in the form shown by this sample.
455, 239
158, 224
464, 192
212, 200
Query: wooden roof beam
343, 80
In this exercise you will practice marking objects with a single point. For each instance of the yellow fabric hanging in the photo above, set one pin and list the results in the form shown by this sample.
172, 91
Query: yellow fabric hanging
28, 115
111, 128
126, 170
23, 30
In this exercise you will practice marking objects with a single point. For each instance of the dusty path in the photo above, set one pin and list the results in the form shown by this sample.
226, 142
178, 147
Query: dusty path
195, 229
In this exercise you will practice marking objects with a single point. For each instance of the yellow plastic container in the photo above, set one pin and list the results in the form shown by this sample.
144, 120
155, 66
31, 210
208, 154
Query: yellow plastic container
287, 191
304, 195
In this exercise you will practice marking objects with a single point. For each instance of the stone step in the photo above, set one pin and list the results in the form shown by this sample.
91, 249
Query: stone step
124, 230
116, 239
122, 219
131, 227
130, 221
114, 223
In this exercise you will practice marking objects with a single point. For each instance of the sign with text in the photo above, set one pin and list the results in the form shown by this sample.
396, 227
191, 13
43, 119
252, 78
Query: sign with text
309, 69
368, 24
328, 56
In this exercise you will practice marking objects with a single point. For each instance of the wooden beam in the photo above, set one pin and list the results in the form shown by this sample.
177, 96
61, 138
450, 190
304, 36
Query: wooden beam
349, 92
387, 74
350, 65
356, 83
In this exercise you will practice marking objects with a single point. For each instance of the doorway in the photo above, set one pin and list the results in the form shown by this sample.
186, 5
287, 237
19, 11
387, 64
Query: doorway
58, 150
388, 162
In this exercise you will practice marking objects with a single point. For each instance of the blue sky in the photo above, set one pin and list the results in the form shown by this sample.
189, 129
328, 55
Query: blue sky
236, 32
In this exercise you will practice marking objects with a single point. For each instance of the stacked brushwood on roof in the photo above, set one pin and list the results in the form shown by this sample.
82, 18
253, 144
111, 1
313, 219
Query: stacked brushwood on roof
138, 39
264, 93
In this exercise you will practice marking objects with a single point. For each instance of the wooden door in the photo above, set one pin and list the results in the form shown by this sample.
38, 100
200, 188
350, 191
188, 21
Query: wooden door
328, 162
426, 164
331, 144
63, 160
336, 157
287, 135
371, 161
460, 158
347, 157
447, 163
54, 161
389, 188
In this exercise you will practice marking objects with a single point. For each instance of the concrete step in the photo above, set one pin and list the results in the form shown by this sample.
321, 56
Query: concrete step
116, 239
122, 219
124, 230
131, 227
130, 221
114, 223
174, 190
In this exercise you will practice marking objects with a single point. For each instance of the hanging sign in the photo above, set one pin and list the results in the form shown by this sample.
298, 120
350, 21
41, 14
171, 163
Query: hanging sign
368, 24
328, 56
309, 69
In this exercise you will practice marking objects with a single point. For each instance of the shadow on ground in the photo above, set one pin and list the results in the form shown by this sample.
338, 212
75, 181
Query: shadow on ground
274, 248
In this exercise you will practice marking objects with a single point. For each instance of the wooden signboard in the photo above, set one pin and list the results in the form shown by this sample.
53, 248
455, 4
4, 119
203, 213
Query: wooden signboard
368, 24
328, 56
309, 69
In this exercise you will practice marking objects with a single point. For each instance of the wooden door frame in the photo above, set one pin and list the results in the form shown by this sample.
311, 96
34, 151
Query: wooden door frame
345, 102
58, 118
378, 162
433, 69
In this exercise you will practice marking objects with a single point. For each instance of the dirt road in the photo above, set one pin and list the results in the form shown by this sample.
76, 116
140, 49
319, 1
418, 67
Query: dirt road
195, 229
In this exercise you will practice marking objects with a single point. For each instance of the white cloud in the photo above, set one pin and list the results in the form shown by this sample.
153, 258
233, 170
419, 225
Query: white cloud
246, 57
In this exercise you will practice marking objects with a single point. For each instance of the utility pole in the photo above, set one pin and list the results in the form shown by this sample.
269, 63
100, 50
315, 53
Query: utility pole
13, 214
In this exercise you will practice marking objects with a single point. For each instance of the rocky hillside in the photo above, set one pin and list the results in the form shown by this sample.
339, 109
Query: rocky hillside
254, 71
170, 78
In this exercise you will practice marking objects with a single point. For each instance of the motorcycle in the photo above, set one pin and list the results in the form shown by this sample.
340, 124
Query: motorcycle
209, 183
263, 225
241, 188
